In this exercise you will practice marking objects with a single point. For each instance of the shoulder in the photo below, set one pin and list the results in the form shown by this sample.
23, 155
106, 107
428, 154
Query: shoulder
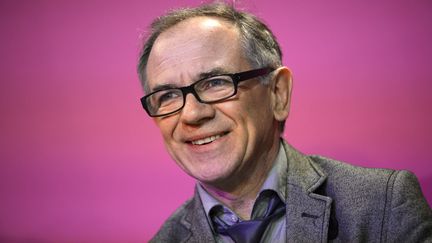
340, 171
346, 181
357, 178
173, 229
388, 202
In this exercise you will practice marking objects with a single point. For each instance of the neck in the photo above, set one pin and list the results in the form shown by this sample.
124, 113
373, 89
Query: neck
240, 195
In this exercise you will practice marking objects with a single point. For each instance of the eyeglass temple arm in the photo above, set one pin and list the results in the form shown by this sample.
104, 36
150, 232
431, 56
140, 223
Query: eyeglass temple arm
253, 73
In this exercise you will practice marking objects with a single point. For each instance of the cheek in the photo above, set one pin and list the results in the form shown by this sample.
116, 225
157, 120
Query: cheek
251, 115
257, 105
261, 119
251, 108
167, 127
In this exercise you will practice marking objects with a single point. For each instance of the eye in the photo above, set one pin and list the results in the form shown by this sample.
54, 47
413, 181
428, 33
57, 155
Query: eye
216, 83
167, 96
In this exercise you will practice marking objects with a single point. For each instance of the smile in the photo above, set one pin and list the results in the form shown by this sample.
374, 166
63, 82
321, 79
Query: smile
206, 140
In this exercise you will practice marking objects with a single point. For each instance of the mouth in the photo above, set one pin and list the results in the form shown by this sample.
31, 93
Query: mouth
207, 140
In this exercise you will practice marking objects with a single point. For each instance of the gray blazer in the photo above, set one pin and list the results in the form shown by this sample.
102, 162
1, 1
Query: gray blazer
328, 200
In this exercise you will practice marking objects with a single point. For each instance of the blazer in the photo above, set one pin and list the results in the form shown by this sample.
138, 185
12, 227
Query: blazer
329, 201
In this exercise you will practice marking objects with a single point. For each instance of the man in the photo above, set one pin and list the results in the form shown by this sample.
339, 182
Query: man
216, 87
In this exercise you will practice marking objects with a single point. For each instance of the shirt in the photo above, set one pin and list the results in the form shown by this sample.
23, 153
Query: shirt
275, 181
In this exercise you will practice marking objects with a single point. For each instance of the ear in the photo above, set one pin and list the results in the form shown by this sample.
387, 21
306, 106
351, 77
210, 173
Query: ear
281, 87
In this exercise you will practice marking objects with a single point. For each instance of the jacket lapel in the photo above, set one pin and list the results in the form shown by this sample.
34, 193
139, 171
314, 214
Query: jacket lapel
195, 222
307, 212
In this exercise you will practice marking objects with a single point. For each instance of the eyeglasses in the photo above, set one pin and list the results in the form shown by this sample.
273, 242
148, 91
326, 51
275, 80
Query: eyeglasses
208, 90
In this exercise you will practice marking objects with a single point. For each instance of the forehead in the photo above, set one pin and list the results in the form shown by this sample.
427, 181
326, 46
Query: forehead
196, 29
192, 46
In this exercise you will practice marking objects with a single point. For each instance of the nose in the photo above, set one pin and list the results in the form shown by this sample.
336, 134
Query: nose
195, 112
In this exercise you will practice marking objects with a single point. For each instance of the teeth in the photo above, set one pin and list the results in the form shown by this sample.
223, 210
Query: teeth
205, 140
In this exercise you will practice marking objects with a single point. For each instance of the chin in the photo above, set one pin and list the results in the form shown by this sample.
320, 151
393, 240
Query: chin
209, 179
214, 179
208, 171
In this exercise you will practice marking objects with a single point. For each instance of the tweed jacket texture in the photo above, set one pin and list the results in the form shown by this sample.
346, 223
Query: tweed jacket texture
329, 201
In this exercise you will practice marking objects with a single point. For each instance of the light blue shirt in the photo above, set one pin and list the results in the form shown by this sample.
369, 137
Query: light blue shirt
276, 181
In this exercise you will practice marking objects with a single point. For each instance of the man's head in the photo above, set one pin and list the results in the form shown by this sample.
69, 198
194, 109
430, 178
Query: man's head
217, 143
257, 41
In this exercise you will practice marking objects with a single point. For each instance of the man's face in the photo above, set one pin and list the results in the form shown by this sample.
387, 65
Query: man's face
236, 133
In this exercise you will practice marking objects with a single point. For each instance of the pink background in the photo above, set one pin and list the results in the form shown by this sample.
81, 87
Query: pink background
81, 162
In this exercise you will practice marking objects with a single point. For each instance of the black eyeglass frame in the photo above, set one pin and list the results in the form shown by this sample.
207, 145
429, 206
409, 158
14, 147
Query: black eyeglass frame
236, 77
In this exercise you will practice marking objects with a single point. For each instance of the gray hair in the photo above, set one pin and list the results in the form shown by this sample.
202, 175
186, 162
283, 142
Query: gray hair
257, 41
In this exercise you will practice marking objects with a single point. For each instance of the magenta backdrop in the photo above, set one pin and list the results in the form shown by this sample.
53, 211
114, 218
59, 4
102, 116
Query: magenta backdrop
81, 162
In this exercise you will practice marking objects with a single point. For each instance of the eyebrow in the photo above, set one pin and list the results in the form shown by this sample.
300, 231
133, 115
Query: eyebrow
212, 72
203, 75
163, 87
